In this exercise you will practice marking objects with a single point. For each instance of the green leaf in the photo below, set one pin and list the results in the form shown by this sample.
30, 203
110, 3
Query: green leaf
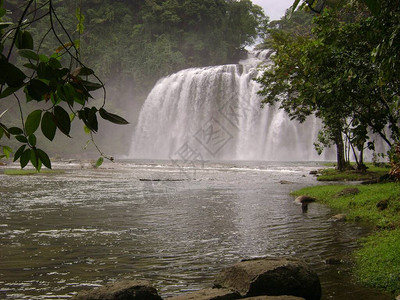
66, 93
86, 71
32, 122
55, 63
37, 89
43, 58
32, 140
35, 159
112, 117
44, 158
15, 130
86, 129
9, 91
29, 54
91, 86
19, 152
25, 157
99, 162
24, 40
88, 116
92, 119
1, 132
62, 120
7, 151
21, 139
5, 130
48, 126
10, 74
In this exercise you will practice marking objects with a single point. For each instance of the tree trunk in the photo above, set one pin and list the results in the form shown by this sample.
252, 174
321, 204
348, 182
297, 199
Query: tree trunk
340, 160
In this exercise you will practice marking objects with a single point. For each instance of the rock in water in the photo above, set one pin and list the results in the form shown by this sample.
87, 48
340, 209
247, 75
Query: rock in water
271, 277
304, 199
121, 290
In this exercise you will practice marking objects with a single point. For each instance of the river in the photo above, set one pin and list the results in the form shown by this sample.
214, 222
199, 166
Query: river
172, 224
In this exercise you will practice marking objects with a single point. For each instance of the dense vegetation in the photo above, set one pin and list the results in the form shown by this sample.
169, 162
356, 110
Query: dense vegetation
343, 68
128, 43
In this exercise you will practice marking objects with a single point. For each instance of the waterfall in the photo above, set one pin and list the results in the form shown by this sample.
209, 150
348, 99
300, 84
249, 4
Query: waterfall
213, 113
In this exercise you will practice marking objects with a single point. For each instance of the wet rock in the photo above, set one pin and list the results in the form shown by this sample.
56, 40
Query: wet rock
333, 261
271, 277
347, 191
209, 294
286, 182
313, 172
338, 218
382, 205
304, 199
121, 290
274, 298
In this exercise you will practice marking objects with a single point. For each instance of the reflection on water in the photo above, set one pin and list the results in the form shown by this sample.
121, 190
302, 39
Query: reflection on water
62, 233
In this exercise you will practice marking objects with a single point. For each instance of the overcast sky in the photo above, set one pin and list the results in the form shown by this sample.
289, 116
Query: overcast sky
275, 9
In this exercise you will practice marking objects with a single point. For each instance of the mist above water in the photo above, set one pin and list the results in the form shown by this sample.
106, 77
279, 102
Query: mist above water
214, 113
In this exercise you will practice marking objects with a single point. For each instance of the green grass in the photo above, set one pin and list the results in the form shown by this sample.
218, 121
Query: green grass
371, 173
17, 172
378, 260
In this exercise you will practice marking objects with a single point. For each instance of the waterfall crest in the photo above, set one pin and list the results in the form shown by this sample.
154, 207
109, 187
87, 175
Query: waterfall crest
213, 113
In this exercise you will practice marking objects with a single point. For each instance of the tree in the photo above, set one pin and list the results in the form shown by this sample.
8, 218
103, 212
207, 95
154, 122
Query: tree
331, 74
59, 85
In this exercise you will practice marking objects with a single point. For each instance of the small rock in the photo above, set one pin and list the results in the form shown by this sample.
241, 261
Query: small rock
398, 297
121, 290
339, 218
347, 191
271, 277
313, 172
333, 261
382, 205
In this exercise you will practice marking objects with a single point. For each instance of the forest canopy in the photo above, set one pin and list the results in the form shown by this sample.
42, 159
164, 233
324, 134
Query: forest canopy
341, 67
48, 46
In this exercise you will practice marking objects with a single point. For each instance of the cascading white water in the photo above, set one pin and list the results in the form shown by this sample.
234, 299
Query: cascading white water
214, 113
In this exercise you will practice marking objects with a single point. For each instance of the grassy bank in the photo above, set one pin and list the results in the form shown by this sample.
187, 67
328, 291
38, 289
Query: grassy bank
373, 172
378, 260
17, 172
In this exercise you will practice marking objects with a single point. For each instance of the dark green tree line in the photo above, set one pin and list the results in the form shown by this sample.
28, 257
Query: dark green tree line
332, 72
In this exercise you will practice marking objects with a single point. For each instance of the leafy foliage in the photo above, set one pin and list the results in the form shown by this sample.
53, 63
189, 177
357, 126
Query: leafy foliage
331, 73
60, 92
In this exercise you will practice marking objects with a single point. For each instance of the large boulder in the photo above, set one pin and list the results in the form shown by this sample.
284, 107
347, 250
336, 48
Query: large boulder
121, 290
209, 294
271, 277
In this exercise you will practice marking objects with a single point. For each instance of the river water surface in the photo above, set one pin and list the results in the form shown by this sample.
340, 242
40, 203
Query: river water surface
175, 226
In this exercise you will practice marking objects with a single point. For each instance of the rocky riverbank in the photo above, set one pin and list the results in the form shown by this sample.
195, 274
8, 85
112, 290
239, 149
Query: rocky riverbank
261, 278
